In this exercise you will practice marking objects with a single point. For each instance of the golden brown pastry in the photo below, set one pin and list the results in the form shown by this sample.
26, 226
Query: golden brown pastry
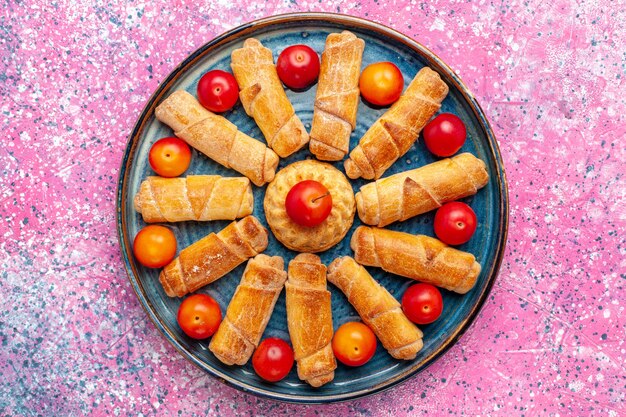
417, 191
213, 256
419, 257
249, 310
378, 309
264, 98
397, 129
310, 320
196, 197
327, 233
337, 97
217, 138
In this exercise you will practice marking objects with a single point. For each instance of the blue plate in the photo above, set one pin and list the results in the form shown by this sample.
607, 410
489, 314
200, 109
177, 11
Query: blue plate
490, 205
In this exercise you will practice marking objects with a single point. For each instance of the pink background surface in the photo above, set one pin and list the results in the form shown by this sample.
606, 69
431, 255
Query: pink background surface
550, 339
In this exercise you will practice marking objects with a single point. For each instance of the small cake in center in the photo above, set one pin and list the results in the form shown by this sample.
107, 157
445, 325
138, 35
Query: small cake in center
297, 206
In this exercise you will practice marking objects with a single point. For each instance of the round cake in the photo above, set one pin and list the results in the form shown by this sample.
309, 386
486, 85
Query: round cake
330, 231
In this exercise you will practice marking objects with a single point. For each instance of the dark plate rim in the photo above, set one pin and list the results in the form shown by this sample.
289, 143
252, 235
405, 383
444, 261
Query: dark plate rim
349, 21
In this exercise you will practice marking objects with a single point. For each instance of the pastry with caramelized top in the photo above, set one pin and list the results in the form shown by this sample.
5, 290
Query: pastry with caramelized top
409, 193
337, 96
196, 197
378, 309
249, 310
213, 256
216, 137
393, 134
422, 258
264, 98
310, 319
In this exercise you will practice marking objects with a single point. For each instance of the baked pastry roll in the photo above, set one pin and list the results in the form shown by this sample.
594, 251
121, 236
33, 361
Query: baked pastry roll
419, 257
249, 310
217, 138
409, 193
398, 128
196, 197
324, 235
213, 256
310, 320
378, 309
337, 96
264, 98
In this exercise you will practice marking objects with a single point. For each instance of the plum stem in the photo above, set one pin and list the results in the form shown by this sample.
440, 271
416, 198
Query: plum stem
321, 196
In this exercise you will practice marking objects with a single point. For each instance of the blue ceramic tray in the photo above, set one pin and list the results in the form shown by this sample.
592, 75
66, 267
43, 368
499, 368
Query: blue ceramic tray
490, 205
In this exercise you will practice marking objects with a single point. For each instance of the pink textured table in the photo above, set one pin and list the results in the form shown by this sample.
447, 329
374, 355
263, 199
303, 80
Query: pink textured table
550, 339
